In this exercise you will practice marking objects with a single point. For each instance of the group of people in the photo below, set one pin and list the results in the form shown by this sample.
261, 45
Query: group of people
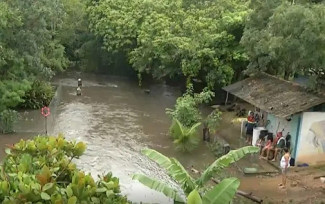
280, 144
277, 145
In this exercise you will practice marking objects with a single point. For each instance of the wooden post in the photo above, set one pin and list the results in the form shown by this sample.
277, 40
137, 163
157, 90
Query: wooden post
46, 126
239, 192
226, 98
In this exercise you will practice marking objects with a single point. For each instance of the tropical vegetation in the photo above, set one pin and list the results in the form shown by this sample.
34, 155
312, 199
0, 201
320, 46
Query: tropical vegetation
215, 42
185, 139
41, 170
196, 190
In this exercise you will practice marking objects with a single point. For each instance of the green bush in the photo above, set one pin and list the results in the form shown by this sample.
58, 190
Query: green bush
7, 119
213, 120
186, 109
41, 171
185, 139
40, 94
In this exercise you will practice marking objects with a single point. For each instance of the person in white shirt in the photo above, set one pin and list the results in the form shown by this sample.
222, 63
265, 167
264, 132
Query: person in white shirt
284, 164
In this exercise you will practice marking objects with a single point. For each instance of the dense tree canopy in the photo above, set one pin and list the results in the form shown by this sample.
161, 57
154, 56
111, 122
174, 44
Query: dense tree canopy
286, 37
35, 43
172, 38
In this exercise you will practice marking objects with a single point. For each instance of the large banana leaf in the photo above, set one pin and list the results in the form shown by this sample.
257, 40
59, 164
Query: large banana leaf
174, 169
157, 157
176, 129
194, 198
187, 138
159, 186
180, 175
193, 129
222, 193
225, 161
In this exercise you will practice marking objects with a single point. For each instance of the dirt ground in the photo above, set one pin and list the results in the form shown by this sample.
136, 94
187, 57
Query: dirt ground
302, 188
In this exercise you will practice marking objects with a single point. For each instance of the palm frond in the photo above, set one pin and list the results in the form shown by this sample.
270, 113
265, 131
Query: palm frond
180, 175
225, 161
159, 186
222, 193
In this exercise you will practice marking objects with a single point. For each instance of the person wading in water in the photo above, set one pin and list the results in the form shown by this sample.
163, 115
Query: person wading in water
79, 87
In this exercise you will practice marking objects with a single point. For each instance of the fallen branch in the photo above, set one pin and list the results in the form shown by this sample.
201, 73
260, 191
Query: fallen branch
239, 192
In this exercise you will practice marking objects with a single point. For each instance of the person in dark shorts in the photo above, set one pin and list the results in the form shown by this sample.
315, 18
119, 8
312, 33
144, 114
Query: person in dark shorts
249, 127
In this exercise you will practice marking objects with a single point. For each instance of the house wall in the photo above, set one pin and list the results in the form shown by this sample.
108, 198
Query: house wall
288, 126
311, 143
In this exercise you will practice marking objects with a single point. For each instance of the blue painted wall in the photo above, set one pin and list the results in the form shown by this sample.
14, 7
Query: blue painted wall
288, 126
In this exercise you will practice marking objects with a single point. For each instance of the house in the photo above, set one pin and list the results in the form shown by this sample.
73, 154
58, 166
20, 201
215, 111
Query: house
290, 107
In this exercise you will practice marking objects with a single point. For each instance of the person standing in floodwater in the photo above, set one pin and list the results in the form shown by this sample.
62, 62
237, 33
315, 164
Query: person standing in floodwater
78, 91
251, 123
79, 83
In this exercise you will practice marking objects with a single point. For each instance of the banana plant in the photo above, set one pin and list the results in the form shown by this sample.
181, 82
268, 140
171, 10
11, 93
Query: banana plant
219, 194
185, 139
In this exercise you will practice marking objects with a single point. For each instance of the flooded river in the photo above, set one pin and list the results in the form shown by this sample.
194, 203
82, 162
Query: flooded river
116, 119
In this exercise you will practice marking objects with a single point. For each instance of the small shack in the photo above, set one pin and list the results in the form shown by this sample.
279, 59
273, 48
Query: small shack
290, 107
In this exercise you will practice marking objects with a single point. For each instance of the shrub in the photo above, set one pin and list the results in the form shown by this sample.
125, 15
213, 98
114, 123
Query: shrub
40, 94
41, 171
7, 119
213, 120
185, 139
186, 109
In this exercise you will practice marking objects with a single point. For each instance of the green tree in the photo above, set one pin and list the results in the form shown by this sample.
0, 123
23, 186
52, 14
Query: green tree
175, 38
41, 171
221, 193
186, 109
286, 38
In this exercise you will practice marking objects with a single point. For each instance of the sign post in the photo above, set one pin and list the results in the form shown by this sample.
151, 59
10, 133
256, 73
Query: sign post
45, 112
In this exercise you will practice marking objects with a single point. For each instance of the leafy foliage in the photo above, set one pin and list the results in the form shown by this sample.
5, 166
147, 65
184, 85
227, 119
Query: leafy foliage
194, 198
40, 94
213, 120
285, 38
7, 119
186, 108
35, 44
222, 193
174, 168
41, 171
185, 139
158, 186
225, 161
217, 148
174, 38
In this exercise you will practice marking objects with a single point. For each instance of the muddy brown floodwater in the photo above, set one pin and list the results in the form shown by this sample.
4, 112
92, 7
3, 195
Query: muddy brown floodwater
116, 119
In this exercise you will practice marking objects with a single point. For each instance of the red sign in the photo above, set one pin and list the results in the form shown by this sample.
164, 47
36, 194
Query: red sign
46, 111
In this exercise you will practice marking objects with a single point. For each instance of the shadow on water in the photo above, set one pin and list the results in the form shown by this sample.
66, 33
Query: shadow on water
116, 119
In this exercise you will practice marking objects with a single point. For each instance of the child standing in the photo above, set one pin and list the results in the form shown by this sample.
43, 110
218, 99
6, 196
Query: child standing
284, 164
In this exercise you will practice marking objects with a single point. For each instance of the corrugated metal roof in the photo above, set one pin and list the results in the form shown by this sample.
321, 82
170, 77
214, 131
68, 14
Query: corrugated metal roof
276, 96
